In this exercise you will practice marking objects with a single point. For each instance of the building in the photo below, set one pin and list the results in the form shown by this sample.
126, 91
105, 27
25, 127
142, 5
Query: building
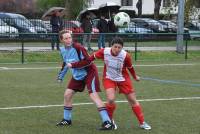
148, 6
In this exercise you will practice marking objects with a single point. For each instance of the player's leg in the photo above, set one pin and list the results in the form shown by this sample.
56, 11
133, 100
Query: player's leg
93, 86
111, 105
68, 103
137, 110
74, 86
101, 107
67, 114
127, 89
109, 87
106, 122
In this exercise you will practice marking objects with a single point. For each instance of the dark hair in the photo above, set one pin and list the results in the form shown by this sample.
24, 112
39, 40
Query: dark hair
117, 40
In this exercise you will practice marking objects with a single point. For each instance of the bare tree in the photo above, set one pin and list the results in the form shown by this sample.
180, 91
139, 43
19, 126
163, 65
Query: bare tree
73, 7
157, 8
67, 9
139, 7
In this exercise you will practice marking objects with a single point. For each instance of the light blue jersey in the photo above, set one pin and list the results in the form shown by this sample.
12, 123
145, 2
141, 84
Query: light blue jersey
70, 55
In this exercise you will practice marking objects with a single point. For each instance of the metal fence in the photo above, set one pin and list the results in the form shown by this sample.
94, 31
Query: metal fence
23, 50
24, 41
17, 28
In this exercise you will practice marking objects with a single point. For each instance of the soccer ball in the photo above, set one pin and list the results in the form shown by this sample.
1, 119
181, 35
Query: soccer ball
121, 19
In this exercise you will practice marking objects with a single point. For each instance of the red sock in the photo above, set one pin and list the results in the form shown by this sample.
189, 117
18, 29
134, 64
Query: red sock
137, 109
110, 109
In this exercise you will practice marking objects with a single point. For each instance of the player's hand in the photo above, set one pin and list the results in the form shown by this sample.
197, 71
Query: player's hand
137, 78
69, 65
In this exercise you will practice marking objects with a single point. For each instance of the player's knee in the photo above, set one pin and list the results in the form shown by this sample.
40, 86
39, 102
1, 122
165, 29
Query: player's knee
111, 101
68, 94
134, 102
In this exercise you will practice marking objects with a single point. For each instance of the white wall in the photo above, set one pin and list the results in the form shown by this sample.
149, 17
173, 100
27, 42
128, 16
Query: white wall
97, 3
148, 5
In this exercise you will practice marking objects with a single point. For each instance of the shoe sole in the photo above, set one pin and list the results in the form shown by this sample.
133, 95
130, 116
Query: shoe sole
145, 128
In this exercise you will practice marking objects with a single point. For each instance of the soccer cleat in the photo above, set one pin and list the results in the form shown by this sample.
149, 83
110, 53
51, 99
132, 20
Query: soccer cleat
114, 125
64, 122
145, 126
107, 126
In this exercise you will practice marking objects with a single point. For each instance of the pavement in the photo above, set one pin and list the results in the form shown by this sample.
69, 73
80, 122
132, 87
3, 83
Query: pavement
44, 49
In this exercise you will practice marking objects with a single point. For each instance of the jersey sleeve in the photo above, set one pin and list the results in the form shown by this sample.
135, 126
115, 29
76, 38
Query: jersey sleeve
84, 61
62, 72
64, 68
87, 60
99, 54
129, 65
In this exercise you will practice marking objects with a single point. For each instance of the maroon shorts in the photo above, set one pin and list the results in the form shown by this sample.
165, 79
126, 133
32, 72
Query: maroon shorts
91, 81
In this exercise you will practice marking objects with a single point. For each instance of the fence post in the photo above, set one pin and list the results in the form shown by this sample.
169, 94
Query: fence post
136, 51
22, 58
186, 49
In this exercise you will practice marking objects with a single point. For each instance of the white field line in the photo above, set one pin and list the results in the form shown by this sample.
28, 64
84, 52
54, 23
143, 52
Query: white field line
90, 103
44, 68
29, 68
159, 65
3, 68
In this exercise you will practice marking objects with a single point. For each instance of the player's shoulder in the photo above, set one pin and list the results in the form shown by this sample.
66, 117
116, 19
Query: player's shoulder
78, 46
62, 49
101, 51
106, 49
127, 55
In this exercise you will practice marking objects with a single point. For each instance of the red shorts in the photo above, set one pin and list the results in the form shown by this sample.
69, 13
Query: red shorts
124, 87
91, 81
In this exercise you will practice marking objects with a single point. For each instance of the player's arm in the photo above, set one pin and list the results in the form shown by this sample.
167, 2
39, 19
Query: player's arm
62, 72
87, 60
129, 65
63, 69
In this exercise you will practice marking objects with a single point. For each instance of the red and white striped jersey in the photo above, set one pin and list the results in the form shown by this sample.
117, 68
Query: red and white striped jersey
114, 64
115, 67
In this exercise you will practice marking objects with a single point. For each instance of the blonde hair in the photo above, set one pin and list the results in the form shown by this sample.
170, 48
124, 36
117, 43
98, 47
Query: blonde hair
64, 32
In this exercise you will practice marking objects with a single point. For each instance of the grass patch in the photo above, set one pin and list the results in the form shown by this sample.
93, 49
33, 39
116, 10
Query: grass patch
54, 56
29, 87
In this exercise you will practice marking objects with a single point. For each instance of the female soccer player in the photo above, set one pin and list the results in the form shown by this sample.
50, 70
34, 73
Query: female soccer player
81, 77
116, 63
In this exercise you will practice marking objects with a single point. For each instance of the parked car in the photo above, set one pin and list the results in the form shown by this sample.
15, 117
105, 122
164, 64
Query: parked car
40, 24
134, 31
40, 28
196, 23
48, 25
149, 23
194, 30
7, 31
75, 27
170, 26
19, 22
